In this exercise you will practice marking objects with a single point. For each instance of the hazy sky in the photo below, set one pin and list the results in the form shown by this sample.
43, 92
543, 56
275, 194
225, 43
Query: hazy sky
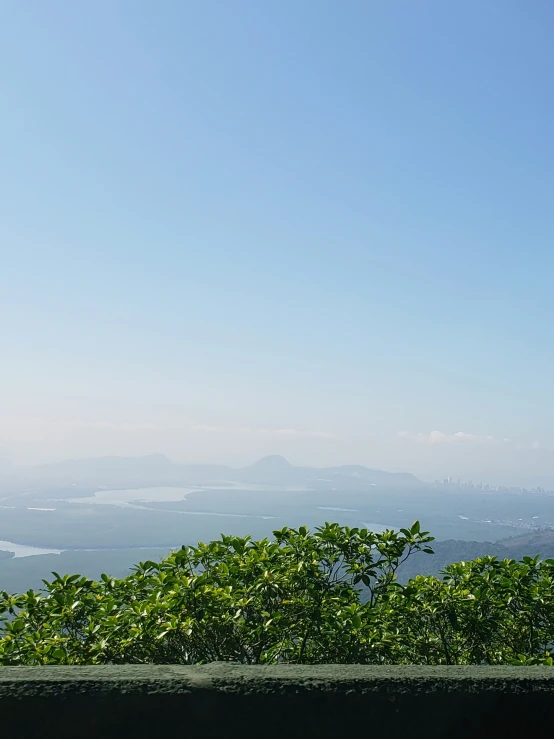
323, 229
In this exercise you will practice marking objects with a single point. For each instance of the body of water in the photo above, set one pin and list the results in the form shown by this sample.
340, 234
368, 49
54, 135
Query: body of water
126, 498
336, 508
23, 550
138, 498
259, 488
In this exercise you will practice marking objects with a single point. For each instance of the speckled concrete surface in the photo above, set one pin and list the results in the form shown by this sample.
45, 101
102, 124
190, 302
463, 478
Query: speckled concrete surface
227, 700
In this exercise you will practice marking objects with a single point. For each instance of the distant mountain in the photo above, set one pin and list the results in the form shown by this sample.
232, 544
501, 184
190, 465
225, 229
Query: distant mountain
157, 469
276, 469
104, 469
375, 477
455, 550
272, 469
272, 464
6, 465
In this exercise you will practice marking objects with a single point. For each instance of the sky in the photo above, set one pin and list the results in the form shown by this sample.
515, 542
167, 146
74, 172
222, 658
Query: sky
321, 229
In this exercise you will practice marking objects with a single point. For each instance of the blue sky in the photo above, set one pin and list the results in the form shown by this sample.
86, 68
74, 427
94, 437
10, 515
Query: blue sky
236, 228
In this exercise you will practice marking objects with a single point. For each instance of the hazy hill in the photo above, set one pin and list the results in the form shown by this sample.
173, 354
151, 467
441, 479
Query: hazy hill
455, 550
373, 477
157, 469
151, 466
6, 465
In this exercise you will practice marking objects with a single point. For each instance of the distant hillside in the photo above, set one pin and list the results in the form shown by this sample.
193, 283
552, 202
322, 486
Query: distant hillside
454, 550
373, 477
277, 470
157, 469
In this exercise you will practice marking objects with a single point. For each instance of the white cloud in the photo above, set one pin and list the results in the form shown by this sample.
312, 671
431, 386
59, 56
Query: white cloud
438, 437
243, 430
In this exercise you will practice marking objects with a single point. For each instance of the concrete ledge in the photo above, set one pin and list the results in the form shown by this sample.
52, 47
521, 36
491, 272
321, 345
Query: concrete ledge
225, 700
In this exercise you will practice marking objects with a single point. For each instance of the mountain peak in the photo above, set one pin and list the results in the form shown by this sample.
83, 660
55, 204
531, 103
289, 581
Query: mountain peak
273, 462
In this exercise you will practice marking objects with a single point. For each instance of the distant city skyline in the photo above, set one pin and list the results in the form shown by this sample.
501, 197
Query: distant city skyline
318, 229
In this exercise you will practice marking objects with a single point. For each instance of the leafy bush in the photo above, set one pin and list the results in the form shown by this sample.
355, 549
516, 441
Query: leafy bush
326, 596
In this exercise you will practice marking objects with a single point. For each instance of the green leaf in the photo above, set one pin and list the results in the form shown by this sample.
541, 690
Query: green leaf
17, 625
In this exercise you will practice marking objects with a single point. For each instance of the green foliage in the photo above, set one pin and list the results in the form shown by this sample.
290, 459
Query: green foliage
481, 612
302, 597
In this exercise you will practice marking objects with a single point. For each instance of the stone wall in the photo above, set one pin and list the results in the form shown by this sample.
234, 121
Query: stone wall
232, 701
